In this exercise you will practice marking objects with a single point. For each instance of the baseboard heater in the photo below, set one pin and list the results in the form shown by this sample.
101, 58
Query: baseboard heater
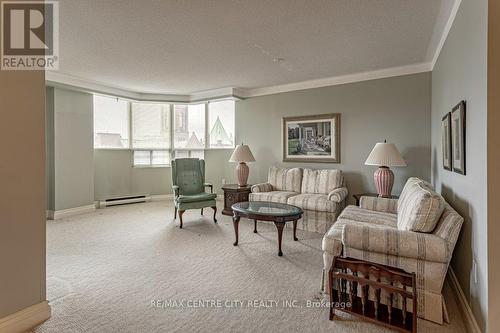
124, 200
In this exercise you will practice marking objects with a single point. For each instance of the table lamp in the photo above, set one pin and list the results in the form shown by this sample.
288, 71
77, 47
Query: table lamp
242, 154
385, 155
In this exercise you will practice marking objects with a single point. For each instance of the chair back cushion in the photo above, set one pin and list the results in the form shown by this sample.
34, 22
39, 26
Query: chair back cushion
285, 179
419, 207
189, 175
321, 181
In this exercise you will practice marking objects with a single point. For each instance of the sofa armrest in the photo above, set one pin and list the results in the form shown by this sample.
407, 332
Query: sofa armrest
262, 187
210, 186
338, 195
391, 241
175, 189
385, 205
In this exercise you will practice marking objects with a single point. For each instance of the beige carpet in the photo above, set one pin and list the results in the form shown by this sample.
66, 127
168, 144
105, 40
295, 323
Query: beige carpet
104, 270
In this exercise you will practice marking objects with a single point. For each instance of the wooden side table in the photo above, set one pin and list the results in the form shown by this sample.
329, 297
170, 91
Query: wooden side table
357, 197
234, 193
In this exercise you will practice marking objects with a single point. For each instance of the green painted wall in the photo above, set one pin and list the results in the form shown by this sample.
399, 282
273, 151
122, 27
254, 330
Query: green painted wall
461, 74
69, 151
397, 109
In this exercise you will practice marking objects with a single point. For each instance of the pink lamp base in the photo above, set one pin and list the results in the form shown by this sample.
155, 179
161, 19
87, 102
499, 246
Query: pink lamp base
384, 179
242, 172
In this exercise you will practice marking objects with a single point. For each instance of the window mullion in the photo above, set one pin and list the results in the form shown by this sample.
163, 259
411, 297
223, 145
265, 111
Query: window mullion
171, 129
130, 131
207, 127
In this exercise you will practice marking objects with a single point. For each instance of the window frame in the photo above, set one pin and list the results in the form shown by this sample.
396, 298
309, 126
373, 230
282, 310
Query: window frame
150, 165
172, 148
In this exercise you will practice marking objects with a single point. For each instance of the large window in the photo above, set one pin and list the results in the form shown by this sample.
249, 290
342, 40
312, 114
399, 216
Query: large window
221, 124
150, 126
189, 130
111, 123
158, 132
151, 134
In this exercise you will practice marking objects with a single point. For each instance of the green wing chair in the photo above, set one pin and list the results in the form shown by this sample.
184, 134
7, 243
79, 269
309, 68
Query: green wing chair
188, 184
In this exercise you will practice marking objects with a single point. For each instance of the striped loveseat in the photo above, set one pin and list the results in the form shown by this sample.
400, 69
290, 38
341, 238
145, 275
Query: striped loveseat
417, 233
320, 193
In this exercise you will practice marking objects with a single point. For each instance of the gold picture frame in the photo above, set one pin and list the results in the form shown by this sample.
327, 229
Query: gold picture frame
313, 139
446, 141
458, 138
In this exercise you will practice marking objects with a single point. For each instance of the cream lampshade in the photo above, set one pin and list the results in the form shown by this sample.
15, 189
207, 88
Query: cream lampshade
385, 155
242, 154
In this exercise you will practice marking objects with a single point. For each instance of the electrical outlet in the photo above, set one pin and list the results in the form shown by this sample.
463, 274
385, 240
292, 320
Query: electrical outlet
474, 270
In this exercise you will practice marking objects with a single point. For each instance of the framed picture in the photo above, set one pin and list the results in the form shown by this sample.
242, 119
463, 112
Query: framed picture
446, 141
458, 137
312, 138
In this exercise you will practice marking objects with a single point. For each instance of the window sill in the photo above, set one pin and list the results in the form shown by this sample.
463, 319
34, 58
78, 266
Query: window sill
151, 166
220, 148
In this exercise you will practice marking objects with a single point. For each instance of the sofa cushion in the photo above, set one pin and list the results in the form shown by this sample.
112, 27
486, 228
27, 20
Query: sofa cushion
285, 179
358, 214
332, 240
419, 207
321, 181
273, 196
196, 197
317, 202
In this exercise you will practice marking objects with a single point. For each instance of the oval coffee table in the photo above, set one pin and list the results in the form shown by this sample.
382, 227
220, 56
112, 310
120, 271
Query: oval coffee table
278, 213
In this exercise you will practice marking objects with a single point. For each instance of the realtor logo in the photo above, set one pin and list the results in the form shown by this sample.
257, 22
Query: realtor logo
30, 35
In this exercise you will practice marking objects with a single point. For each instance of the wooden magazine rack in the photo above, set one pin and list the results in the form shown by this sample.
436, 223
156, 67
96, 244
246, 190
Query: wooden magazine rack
350, 282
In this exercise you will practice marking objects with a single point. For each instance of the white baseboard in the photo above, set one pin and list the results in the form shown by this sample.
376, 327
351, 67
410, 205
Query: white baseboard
164, 197
59, 214
463, 305
25, 319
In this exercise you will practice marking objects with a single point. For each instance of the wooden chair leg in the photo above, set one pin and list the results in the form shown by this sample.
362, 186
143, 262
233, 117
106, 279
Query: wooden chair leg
202, 211
180, 216
215, 212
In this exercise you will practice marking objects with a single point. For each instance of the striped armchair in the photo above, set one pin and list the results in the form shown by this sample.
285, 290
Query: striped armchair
388, 231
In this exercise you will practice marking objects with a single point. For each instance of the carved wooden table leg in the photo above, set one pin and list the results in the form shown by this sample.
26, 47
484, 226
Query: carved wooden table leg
236, 222
279, 226
295, 230
255, 226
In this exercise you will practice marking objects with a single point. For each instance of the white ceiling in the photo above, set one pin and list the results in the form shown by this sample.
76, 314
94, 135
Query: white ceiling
183, 47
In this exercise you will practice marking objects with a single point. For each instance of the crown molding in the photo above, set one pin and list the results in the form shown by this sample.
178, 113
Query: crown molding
56, 79
336, 80
67, 81
446, 31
